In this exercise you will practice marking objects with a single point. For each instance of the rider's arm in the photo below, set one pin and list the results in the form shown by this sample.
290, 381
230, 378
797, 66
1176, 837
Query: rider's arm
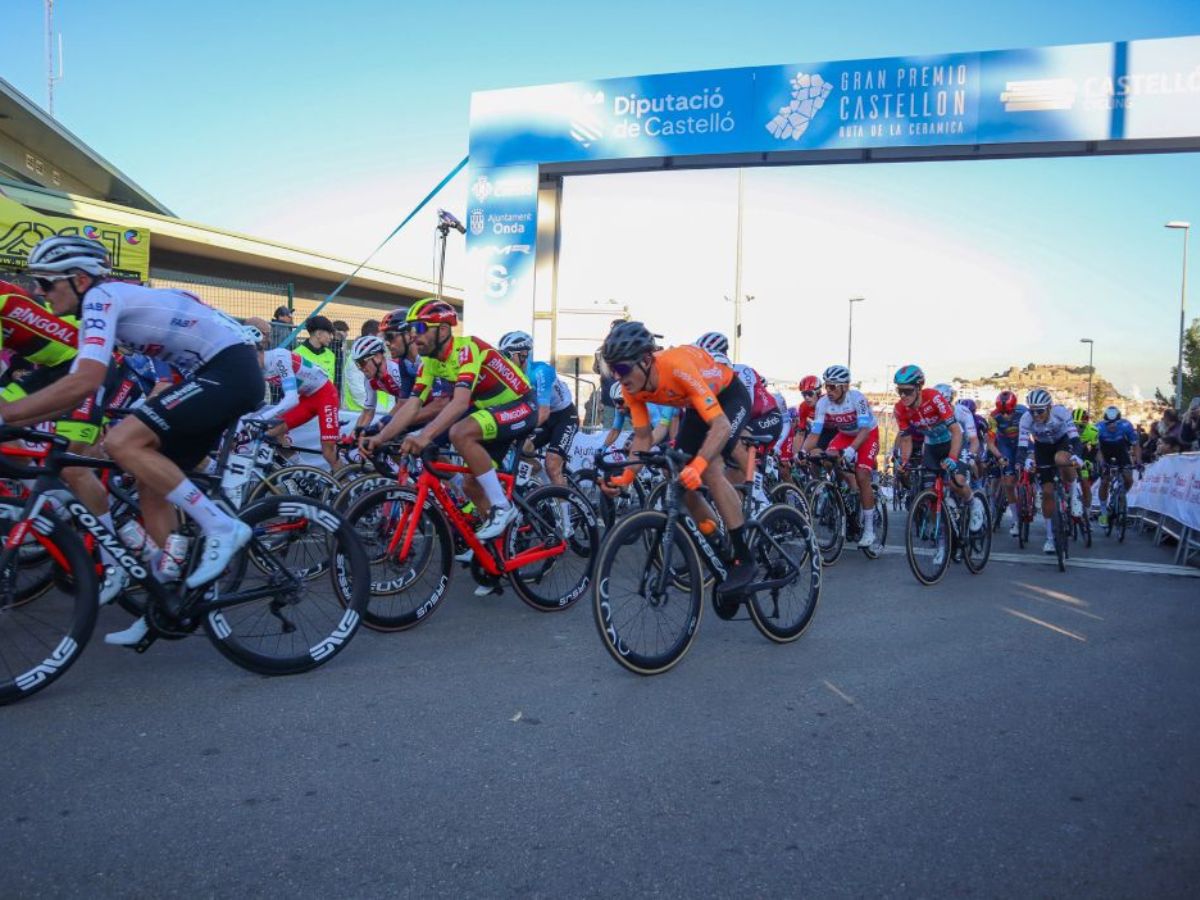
401, 420
291, 396
905, 442
719, 430
956, 439
86, 377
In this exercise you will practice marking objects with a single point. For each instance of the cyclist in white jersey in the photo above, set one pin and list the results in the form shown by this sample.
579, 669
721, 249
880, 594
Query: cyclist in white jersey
307, 392
966, 421
557, 416
171, 431
857, 439
1055, 444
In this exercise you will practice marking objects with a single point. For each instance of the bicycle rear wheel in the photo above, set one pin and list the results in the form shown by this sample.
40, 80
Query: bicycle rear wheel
783, 545
297, 481
1061, 534
645, 630
554, 516
927, 538
790, 495
301, 622
403, 592
43, 626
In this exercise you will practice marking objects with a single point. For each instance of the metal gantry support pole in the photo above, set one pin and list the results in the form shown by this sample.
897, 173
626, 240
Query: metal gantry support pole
1185, 227
850, 330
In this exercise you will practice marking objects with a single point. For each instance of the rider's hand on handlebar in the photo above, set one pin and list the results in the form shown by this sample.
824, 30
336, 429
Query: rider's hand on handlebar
414, 444
612, 486
691, 476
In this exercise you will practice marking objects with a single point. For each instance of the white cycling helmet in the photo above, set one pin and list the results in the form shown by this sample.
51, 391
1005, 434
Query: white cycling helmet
516, 342
367, 345
252, 334
615, 394
63, 254
1111, 414
713, 342
1039, 398
946, 390
836, 375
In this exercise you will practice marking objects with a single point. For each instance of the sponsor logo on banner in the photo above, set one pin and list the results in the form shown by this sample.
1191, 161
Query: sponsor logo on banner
1039, 95
506, 249
809, 93
482, 188
477, 221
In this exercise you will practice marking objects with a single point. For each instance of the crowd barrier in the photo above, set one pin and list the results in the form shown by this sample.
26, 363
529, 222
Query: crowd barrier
1167, 499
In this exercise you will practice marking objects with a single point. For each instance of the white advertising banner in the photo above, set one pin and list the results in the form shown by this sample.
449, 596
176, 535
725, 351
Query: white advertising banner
1171, 486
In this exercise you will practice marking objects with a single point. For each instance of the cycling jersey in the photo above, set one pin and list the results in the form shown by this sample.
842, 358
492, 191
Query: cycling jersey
478, 366
762, 401
1089, 436
852, 414
294, 375
966, 421
32, 332
804, 415
173, 326
1055, 427
931, 418
552, 391
1008, 425
1115, 432
688, 377
659, 416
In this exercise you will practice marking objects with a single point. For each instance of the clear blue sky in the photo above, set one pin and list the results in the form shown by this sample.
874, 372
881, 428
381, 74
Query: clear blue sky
323, 125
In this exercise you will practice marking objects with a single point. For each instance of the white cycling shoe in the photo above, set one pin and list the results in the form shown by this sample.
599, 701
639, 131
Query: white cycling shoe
130, 637
1015, 530
867, 540
218, 550
498, 518
115, 581
1048, 547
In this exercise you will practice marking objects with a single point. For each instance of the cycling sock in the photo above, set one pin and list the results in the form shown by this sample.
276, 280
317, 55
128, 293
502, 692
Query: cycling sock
189, 498
491, 486
1049, 530
738, 537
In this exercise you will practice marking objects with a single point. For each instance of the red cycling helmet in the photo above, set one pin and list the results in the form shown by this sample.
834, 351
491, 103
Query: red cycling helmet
809, 383
1006, 402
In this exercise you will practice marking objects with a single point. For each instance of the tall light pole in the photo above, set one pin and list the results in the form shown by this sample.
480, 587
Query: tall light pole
850, 331
737, 300
1186, 226
1091, 369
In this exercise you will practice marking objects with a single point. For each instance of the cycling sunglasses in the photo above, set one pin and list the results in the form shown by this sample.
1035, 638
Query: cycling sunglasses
47, 284
809, 394
622, 369
419, 327
906, 391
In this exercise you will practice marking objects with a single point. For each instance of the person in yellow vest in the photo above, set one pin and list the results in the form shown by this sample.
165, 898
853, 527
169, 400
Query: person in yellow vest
316, 347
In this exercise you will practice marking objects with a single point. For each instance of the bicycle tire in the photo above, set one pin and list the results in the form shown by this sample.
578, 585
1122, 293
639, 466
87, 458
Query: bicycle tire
792, 531
314, 629
1058, 528
544, 524
927, 532
297, 481
403, 595
978, 548
617, 613
828, 517
59, 621
356, 488
790, 495
1122, 516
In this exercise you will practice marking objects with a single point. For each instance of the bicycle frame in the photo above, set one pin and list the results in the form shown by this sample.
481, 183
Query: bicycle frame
492, 562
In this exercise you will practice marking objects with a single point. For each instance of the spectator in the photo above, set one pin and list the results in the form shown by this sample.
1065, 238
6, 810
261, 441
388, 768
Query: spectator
341, 331
1189, 429
281, 326
1168, 429
316, 348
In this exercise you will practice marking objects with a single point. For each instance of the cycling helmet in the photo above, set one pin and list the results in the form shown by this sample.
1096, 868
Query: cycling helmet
1038, 398
433, 312
64, 254
713, 342
367, 345
252, 334
836, 375
946, 390
516, 342
909, 375
1111, 414
616, 395
395, 320
969, 404
627, 341
809, 383
1080, 415
1006, 402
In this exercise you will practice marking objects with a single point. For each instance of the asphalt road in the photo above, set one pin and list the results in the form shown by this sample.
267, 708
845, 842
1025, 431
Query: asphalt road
1019, 733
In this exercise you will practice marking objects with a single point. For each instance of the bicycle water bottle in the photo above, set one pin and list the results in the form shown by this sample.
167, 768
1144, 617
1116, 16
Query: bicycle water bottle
137, 539
174, 554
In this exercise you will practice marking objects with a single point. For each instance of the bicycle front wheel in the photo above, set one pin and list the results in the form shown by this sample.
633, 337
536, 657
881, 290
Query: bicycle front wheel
268, 617
298, 481
553, 517
44, 626
978, 547
828, 520
646, 628
927, 538
784, 547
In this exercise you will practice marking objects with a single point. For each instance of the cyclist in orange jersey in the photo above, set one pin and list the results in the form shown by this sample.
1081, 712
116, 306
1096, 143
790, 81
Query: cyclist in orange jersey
716, 408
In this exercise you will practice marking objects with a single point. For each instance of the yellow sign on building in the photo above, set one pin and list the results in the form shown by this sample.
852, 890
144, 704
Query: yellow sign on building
21, 228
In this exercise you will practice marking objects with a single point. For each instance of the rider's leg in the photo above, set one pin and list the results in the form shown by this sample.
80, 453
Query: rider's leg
484, 486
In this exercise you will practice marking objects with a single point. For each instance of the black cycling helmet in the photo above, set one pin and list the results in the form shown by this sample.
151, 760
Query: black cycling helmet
628, 341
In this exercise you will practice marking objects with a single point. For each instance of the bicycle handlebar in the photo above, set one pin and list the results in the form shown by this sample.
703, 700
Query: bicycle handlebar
16, 433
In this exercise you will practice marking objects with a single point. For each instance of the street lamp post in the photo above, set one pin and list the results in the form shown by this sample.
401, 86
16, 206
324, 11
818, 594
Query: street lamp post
1091, 370
1186, 226
850, 332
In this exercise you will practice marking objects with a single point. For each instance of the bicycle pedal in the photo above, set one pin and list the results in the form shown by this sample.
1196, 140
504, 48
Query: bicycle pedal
144, 644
